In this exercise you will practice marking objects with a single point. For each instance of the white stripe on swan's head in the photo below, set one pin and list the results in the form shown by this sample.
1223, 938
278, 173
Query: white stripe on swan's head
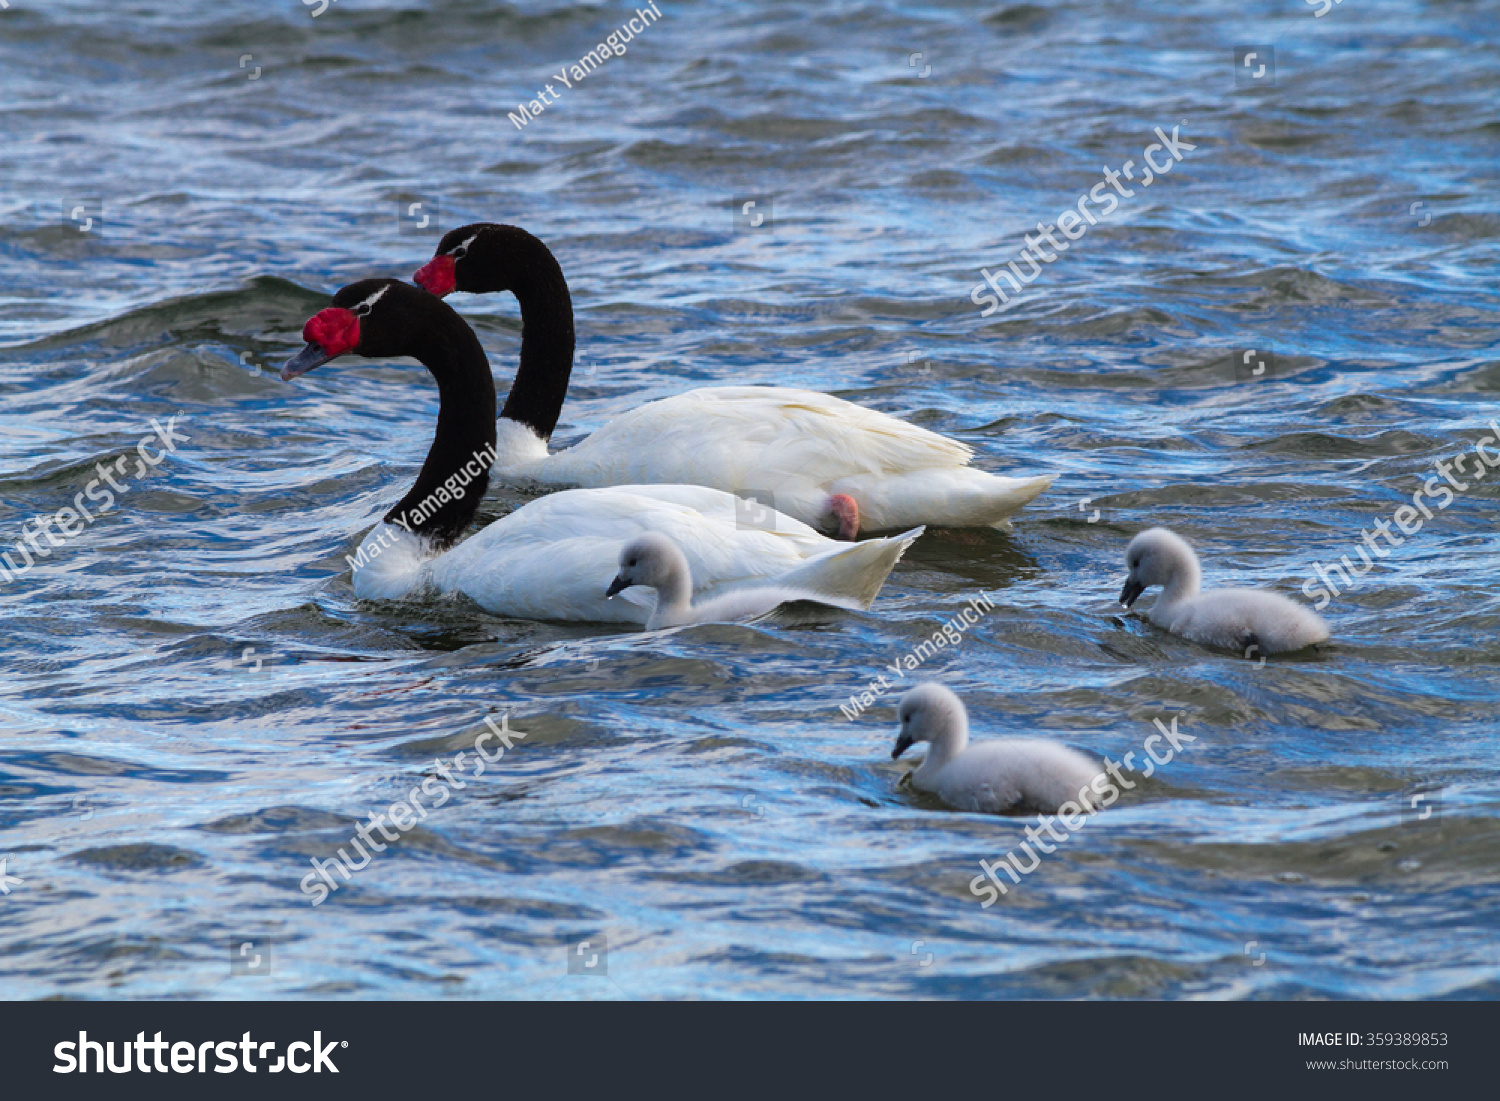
360, 309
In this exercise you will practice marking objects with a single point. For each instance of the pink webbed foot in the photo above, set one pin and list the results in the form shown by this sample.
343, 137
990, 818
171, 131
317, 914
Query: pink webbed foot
845, 510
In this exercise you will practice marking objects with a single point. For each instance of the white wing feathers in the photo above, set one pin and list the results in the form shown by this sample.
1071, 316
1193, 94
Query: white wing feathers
789, 448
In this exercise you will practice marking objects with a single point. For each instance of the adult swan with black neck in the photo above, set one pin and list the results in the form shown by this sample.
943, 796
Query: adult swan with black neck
828, 462
553, 557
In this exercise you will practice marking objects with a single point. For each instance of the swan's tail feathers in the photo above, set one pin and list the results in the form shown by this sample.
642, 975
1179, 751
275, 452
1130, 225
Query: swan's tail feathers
1009, 495
852, 574
955, 497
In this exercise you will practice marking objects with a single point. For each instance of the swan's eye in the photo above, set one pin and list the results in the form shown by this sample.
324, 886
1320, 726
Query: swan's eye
362, 309
460, 252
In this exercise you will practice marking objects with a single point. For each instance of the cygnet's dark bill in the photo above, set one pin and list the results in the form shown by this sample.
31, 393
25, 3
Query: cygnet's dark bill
1131, 592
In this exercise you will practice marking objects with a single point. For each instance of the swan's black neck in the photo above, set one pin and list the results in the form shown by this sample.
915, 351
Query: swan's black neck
508, 258
463, 447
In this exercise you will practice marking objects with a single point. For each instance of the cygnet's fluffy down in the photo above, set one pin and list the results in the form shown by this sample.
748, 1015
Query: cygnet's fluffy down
656, 562
1007, 776
1248, 620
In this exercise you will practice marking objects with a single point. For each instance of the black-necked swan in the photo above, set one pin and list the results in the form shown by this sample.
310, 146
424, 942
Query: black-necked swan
653, 561
828, 462
1251, 621
549, 558
1005, 776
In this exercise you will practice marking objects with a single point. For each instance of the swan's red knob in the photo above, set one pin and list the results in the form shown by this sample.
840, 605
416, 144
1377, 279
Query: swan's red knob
437, 276
334, 330
329, 333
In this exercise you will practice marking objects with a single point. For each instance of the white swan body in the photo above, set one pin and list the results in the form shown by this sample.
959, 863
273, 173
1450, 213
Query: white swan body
1006, 776
1251, 621
552, 558
827, 462
653, 561
792, 449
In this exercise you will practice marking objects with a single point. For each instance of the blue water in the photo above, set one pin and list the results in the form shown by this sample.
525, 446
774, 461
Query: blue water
195, 706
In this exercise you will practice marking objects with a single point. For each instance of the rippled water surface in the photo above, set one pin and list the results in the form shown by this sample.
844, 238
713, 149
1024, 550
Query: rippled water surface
195, 705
